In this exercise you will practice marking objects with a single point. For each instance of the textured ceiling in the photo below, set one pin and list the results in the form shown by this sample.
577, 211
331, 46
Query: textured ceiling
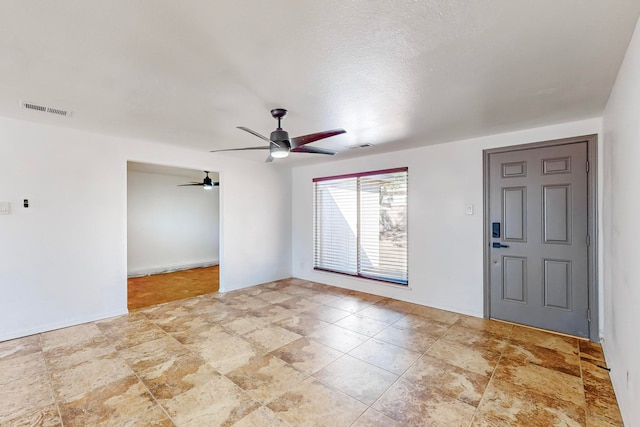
394, 74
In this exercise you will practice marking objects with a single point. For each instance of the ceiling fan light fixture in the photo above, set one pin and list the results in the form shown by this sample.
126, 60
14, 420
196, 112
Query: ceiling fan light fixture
279, 152
207, 184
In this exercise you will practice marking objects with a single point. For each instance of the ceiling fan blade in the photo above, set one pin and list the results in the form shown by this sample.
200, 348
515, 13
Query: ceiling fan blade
253, 132
242, 149
314, 150
187, 185
269, 159
305, 139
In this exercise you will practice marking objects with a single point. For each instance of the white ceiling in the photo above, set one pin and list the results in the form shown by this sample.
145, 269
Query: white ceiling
189, 174
396, 74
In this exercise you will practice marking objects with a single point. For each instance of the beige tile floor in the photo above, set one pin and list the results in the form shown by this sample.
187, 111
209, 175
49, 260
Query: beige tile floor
296, 353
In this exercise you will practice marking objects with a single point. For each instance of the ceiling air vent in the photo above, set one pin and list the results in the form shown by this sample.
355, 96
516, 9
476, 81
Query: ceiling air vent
364, 145
44, 109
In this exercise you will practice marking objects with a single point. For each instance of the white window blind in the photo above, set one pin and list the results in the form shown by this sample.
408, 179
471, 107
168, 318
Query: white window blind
360, 225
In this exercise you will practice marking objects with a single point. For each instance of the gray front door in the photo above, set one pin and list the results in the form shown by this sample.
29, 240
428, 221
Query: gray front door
538, 237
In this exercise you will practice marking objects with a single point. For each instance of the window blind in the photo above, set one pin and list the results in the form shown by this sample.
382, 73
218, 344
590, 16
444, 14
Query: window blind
360, 225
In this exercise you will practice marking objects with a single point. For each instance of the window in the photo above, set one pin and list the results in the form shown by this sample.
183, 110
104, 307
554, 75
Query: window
360, 225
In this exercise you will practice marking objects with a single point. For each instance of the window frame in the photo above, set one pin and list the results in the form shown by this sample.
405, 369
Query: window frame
357, 175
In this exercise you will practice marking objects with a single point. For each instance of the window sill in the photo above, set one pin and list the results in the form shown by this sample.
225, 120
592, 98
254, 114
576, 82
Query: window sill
390, 283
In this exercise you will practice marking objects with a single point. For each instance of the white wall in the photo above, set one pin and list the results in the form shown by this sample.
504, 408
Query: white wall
170, 227
63, 260
445, 245
621, 124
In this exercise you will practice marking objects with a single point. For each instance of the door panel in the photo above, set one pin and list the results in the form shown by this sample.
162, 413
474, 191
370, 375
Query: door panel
556, 213
557, 284
514, 279
511, 170
514, 215
553, 166
539, 268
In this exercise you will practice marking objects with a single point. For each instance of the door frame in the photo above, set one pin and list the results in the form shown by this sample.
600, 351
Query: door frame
592, 222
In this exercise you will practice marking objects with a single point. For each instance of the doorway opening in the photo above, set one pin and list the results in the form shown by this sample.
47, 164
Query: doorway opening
173, 234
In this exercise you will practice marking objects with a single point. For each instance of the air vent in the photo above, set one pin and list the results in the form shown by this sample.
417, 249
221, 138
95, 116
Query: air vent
364, 145
44, 109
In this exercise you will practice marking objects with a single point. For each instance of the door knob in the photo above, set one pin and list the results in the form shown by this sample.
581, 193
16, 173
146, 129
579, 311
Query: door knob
499, 245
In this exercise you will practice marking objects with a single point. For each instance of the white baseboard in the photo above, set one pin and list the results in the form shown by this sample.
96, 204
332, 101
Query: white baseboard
59, 325
146, 271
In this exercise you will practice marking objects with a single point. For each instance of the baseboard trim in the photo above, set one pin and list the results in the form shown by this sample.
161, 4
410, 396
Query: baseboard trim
384, 290
146, 271
60, 325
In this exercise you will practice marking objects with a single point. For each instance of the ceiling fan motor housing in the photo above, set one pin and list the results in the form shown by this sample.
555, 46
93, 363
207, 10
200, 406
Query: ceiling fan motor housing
278, 136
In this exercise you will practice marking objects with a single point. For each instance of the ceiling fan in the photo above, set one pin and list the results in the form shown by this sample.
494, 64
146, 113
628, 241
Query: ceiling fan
280, 145
206, 183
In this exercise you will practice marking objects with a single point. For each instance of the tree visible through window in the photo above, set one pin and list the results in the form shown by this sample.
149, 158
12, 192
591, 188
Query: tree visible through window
360, 225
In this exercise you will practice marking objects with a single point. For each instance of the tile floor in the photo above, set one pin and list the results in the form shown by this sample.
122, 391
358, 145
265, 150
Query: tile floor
296, 353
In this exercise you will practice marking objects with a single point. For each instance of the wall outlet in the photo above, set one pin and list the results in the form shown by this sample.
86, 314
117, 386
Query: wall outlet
5, 208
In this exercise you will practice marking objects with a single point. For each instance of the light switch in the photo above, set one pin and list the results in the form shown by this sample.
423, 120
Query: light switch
468, 209
4, 208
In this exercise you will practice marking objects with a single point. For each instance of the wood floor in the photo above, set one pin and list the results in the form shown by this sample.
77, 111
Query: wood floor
160, 288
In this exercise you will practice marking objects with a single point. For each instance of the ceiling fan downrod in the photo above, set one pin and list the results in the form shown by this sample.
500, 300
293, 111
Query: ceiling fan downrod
278, 114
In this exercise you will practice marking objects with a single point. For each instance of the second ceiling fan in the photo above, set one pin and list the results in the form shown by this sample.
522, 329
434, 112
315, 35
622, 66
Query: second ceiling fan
280, 145
207, 183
